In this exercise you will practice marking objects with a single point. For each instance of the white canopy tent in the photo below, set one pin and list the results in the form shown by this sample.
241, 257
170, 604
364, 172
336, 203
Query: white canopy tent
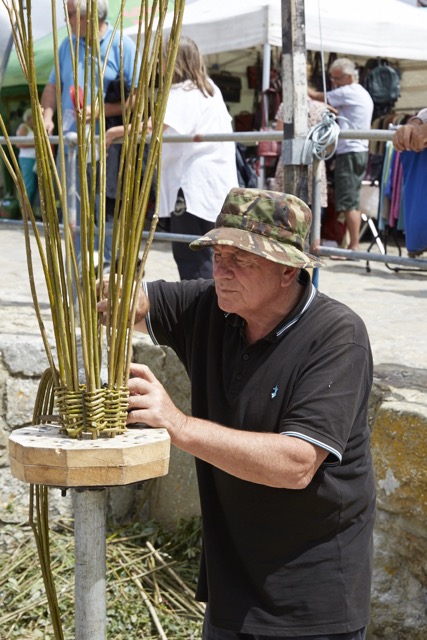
385, 28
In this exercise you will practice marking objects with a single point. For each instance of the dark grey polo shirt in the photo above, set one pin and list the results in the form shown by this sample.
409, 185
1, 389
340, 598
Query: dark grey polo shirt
280, 561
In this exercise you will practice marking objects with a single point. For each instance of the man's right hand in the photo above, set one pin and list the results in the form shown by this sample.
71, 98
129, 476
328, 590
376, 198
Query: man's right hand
411, 137
49, 125
142, 305
48, 104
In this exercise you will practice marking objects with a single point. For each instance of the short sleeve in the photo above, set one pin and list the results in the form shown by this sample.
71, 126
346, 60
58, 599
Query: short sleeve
422, 115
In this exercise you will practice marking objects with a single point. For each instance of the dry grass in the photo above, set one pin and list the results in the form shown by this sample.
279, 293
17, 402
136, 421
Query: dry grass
151, 577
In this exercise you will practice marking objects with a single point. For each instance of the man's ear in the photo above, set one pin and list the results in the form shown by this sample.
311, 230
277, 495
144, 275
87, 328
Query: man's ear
289, 274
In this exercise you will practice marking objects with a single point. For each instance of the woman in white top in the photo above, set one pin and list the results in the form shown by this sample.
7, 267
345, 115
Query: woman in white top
195, 176
27, 155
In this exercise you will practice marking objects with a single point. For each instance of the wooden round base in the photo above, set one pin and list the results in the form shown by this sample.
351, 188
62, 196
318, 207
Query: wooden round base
42, 455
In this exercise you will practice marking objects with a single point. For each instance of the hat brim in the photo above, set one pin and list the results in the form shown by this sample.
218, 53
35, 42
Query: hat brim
280, 252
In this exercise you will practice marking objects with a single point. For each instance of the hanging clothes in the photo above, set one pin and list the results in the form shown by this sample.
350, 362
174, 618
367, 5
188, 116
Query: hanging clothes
414, 166
396, 214
391, 211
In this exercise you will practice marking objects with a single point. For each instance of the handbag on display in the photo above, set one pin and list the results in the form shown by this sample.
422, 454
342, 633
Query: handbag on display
244, 121
254, 74
229, 85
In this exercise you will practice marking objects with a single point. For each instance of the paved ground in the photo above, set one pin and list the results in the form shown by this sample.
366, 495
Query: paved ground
393, 305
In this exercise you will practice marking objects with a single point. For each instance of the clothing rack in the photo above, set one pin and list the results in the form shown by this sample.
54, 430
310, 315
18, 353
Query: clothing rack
390, 213
381, 240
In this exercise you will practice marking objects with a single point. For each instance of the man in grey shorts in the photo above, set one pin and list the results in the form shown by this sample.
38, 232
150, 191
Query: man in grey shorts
355, 108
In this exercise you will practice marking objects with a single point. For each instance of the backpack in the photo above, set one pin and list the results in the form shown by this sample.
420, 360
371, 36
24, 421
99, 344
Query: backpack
245, 172
382, 82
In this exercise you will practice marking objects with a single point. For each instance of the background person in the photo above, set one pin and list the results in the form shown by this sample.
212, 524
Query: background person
195, 176
281, 376
355, 108
112, 70
27, 155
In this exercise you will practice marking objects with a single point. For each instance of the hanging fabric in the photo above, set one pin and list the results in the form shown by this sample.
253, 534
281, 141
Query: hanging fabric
414, 167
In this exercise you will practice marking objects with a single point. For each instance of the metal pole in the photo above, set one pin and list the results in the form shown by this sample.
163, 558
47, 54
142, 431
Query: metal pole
315, 203
266, 64
90, 508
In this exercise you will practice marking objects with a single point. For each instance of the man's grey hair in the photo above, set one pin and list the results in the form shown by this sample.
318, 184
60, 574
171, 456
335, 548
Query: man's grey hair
347, 67
102, 8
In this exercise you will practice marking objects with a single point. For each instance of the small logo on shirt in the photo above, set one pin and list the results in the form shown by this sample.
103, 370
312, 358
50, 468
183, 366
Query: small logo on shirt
274, 392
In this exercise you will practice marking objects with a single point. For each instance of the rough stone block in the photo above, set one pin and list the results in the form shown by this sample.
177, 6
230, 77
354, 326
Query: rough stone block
399, 448
20, 397
23, 357
176, 495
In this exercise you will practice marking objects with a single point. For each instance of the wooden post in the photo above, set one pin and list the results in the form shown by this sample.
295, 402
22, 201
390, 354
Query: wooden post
90, 564
43, 455
294, 78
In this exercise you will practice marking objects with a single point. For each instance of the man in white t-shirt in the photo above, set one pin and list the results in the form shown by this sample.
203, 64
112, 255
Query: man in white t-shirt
355, 108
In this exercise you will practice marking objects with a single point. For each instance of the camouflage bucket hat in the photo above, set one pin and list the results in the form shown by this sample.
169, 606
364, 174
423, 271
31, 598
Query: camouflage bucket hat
269, 224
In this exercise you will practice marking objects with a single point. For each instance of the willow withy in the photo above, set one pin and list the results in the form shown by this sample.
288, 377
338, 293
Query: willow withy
85, 402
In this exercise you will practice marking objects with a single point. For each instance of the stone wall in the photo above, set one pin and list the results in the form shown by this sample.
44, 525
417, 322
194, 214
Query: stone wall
398, 415
399, 448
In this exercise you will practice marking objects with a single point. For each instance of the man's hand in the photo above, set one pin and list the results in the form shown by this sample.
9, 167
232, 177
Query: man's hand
48, 104
89, 113
49, 125
142, 305
315, 95
411, 137
112, 134
150, 404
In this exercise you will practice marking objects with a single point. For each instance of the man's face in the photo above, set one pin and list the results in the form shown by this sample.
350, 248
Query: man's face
339, 79
72, 16
245, 283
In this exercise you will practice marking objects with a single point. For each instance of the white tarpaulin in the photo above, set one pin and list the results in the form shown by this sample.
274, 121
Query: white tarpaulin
386, 28
370, 28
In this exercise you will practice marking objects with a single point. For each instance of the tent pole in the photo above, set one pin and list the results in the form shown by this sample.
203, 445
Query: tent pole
266, 64
4, 60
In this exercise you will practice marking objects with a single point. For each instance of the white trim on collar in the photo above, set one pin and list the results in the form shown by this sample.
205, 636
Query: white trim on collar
301, 313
